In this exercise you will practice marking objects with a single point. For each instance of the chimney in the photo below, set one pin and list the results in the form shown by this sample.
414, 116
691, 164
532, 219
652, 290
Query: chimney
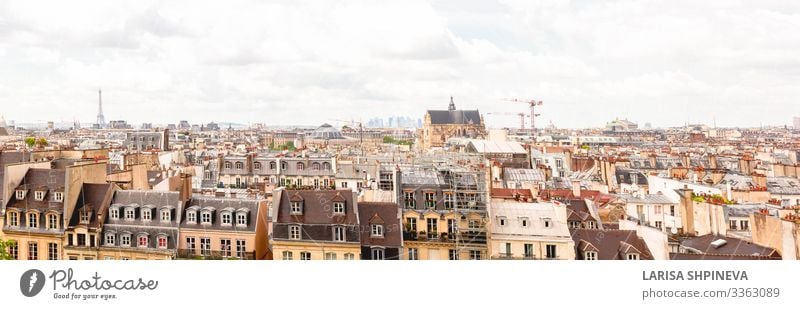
576, 188
760, 180
687, 209
186, 187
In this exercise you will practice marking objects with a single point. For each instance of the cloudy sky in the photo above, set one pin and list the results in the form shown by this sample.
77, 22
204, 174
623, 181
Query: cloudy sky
307, 62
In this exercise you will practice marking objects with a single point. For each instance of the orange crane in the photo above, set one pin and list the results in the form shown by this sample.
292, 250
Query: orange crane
520, 115
532, 104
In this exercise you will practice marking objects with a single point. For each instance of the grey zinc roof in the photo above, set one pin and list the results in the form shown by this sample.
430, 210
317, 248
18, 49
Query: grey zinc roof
455, 117
647, 199
218, 204
421, 177
523, 174
783, 185
744, 210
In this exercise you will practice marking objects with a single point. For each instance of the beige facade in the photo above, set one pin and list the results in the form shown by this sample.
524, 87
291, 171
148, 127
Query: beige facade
315, 250
431, 234
520, 230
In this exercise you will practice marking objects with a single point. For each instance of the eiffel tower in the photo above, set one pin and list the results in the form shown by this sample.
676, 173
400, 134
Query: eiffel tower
101, 120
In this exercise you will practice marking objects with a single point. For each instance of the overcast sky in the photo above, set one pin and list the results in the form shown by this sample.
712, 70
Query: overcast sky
308, 62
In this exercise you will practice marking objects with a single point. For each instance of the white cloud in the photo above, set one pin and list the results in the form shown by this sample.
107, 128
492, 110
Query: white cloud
285, 62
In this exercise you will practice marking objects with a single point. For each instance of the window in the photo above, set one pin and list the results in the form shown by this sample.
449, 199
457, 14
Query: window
166, 215
205, 246
474, 224
658, 225
272, 167
330, 255
377, 254
143, 241
433, 226
284, 165
338, 233
81, 240
52, 251
239, 165
226, 218
110, 239
411, 224
733, 225
225, 247
590, 255
305, 256
474, 254
130, 214
13, 251
125, 240
745, 225
559, 163
448, 200
409, 199
114, 213
294, 232
592, 224
257, 165
349, 256
315, 166
228, 165
338, 208
326, 166
300, 166
451, 227
33, 220
524, 222
13, 219
162, 242
377, 230
501, 221
241, 219
39, 195
528, 250
430, 199
551, 251
52, 221
85, 216
297, 208
59, 196
191, 245
191, 217
632, 256
33, 251
413, 254
20, 194
344, 184
241, 247
672, 210
287, 255
205, 217
452, 254
147, 214
507, 249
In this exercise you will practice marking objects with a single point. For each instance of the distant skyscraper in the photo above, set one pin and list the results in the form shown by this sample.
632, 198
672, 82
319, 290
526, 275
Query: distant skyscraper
101, 120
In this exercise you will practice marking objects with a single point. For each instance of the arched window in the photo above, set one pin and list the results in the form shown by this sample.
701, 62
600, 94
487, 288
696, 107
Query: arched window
284, 166
300, 166
239, 165
272, 165
228, 164
315, 166
326, 166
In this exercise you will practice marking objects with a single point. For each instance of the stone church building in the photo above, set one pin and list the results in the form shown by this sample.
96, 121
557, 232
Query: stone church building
440, 125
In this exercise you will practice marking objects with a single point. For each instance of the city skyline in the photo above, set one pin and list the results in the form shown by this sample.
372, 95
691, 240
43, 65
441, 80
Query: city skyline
665, 63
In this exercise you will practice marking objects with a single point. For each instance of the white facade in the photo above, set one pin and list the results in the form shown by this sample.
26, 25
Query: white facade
529, 231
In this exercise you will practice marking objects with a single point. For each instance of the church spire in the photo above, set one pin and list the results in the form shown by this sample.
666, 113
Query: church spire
452, 106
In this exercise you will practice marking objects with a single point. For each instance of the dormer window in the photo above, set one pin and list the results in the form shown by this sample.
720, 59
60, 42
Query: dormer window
257, 165
143, 241
166, 215
377, 230
272, 166
113, 213
338, 208
239, 165
205, 217
502, 221
162, 242
52, 221
39, 195
297, 208
59, 196
21, 194
130, 214
110, 239
228, 165
300, 166
548, 223
125, 240
85, 215
191, 217
33, 220
226, 218
241, 219
13, 218
590, 255
284, 166
632, 256
147, 215
294, 232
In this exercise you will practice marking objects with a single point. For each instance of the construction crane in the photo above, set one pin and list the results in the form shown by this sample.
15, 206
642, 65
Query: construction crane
520, 115
532, 104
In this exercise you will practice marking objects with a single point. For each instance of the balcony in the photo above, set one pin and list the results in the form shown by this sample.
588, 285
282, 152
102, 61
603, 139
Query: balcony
188, 254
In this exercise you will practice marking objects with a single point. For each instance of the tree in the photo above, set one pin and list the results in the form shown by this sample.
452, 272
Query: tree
4, 245
41, 142
30, 141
